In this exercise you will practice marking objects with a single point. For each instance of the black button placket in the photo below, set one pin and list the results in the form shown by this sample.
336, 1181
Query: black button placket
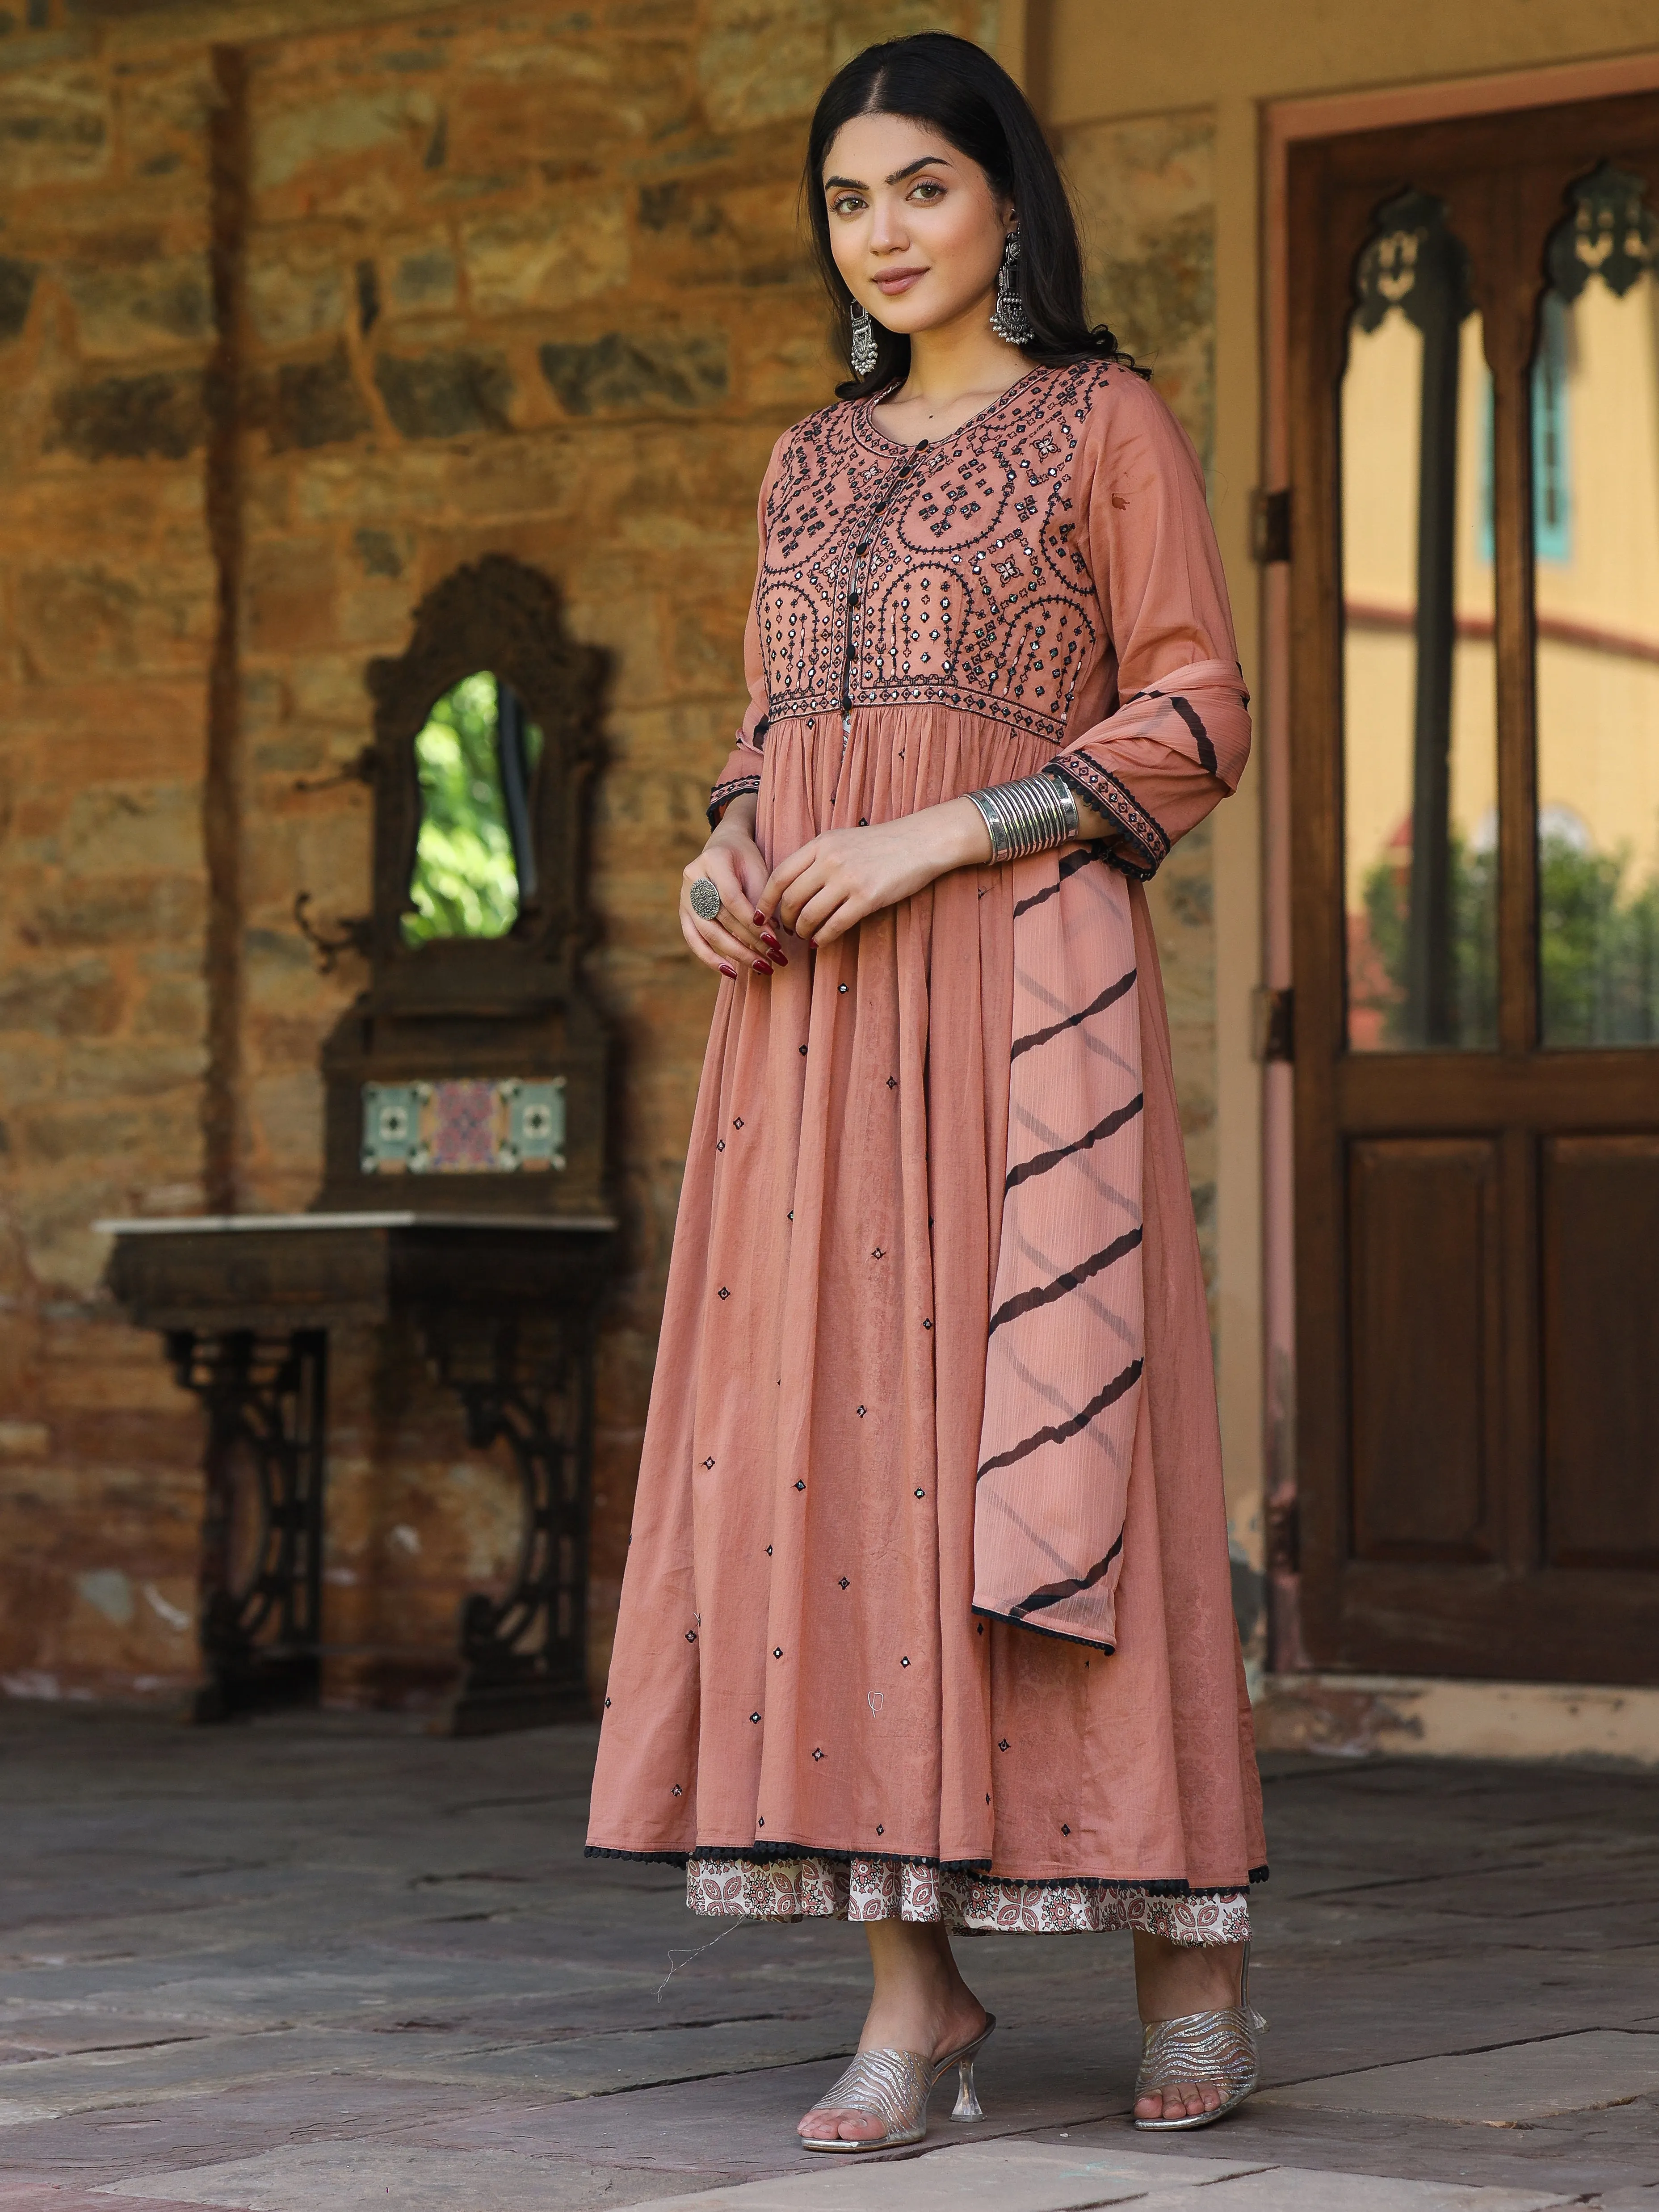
861, 552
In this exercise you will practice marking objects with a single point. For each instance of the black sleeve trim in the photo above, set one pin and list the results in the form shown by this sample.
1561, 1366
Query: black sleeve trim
723, 793
1144, 831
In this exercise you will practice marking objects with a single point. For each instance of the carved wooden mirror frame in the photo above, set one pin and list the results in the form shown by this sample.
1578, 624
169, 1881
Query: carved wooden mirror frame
500, 615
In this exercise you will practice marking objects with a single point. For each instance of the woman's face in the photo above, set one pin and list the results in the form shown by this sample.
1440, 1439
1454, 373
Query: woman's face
914, 227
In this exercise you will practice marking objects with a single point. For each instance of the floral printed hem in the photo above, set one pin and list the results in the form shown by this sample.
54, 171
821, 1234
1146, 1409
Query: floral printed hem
968, 1903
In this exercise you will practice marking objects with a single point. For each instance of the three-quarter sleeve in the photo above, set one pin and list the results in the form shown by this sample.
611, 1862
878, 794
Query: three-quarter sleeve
741, 771
1161, 731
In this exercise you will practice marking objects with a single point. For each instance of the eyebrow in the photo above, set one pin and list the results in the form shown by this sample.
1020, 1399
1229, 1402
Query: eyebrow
923, 161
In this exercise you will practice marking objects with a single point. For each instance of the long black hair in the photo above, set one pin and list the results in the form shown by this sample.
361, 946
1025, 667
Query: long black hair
973, 102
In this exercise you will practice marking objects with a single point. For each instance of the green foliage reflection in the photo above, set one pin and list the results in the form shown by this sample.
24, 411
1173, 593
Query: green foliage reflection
1474, 949
1598, 947
463, 884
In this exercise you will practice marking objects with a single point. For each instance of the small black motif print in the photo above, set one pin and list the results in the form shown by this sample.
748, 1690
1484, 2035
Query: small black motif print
777, 1650
769, 1551
880, 1831
877, 1254
1003, 1746
754, 1717
690, 1635
982, 1628
922, 1493
904, 1662
818, 1754
792, 1210
725, 1293
802, 1050
759, 1823
738, 1124
607, 1704
800, 1485
988, 1796
864, 822
1064, 1830
709, 1463
927, 1324
841, 988
861, 1413
892, 1083
677, 1791
845, 1583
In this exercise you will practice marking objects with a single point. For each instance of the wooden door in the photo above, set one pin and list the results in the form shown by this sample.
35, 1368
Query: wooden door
1474, 403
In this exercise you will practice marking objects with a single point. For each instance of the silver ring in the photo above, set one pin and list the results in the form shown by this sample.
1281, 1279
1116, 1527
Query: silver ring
706, 898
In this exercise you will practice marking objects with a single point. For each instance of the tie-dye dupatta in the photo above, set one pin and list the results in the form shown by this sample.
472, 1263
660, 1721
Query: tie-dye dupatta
1066, 1347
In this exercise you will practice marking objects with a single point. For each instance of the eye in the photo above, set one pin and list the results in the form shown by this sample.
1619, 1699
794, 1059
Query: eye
931, 186
846, 203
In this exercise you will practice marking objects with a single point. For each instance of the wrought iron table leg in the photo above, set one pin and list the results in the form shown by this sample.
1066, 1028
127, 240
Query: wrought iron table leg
525, 1656
261, 1605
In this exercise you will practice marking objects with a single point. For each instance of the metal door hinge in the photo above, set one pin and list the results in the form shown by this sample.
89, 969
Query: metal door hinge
1270, 526
1273, 1023
1283, 1535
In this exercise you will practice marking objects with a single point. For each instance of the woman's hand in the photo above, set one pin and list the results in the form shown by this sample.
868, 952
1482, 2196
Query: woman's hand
832, 881
733, 862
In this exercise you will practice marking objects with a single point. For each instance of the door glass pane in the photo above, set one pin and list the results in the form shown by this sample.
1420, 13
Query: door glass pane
1419, 747
1595, 459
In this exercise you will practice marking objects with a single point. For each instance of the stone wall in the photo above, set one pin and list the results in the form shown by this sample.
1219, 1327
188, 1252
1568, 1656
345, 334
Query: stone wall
300, 305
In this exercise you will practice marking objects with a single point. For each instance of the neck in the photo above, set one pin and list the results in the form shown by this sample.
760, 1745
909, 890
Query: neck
962, 356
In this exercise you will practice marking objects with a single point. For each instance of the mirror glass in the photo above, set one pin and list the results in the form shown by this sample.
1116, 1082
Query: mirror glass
1419, 747
474, 865
1596, 555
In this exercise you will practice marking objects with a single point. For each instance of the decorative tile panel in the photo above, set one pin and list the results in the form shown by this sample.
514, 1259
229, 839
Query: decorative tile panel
473, 1126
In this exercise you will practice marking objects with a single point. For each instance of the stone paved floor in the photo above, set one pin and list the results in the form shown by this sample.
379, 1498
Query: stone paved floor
319, 1965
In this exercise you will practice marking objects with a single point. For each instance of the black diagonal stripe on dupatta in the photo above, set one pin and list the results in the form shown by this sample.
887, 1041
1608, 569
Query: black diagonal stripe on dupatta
1046, 1293
1057, 1592
1079, 857
1109, 997
1060, 1432
1189, 715
1040, 1162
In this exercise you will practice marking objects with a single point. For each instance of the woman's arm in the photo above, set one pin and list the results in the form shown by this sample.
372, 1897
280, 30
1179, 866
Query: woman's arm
833, 881
733, 862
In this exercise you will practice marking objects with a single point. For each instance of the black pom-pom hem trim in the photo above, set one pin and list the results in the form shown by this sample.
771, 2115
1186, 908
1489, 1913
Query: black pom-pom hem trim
761, 1854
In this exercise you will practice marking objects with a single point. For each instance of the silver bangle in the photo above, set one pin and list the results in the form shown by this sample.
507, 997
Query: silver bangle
1030, 815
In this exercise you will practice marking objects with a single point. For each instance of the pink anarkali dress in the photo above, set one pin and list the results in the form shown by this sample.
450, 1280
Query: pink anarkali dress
927, 1608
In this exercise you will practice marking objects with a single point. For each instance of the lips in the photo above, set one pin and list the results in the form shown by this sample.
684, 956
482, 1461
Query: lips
893, 281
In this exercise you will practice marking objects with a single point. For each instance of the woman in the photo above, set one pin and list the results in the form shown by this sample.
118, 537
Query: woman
926, 1618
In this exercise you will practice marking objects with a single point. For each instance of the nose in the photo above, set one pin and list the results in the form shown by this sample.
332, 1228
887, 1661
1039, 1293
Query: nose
887, 231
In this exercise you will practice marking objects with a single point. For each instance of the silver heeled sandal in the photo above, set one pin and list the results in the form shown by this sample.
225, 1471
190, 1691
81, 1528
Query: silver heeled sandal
894, 2085
1201, 2047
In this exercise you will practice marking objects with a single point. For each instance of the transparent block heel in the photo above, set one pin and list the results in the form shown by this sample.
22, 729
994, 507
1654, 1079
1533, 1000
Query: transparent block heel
967, 2105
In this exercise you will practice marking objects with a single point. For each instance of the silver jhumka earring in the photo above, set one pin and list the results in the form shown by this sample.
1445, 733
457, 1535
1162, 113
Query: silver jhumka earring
1008, 317
862, 352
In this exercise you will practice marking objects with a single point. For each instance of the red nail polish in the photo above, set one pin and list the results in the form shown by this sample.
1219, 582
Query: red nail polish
760, 919
762, 967
779, 959
727, 969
